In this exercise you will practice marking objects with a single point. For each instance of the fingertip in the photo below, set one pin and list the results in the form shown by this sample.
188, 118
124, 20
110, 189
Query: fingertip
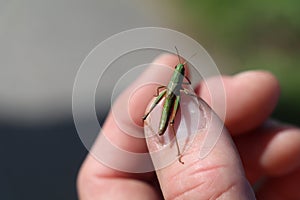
251, 97
263, 78
276, 162
251, 100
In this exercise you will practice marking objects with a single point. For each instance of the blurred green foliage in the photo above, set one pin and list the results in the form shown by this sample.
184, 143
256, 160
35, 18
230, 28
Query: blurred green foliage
259, 35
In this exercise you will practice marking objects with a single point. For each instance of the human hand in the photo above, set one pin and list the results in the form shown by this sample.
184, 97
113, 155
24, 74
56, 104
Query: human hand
268, 150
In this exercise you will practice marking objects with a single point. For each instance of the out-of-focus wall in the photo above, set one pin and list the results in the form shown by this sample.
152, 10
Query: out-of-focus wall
43, 43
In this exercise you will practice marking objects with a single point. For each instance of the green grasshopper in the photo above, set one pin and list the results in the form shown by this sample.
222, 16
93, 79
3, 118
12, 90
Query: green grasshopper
172, 100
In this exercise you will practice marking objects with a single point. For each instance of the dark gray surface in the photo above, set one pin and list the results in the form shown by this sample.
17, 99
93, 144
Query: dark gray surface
43, 44
39, 162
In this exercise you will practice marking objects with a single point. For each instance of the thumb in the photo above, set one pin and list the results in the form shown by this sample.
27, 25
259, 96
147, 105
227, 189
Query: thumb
212, 168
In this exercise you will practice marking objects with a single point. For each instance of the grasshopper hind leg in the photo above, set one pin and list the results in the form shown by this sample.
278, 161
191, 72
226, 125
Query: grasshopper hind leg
172, 120
157, 90
154, 104
177, 145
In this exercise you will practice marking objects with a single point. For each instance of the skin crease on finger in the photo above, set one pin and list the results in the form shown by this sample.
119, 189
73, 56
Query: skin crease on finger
217, 177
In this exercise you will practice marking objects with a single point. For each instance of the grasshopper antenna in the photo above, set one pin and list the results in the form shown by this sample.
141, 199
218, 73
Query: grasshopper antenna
190, 58
178, 54
187, 59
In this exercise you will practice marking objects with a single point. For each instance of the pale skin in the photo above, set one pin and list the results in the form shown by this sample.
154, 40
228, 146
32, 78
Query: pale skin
267, 149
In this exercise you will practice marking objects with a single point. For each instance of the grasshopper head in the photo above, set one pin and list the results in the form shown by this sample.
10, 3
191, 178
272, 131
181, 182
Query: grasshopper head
180, 68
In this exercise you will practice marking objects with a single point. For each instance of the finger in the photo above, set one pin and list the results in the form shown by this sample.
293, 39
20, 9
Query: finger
273, 150
118, 152
250, 99
218, 175
281, 188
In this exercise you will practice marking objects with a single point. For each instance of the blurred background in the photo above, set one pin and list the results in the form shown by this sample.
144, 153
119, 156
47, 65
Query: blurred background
43, 43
